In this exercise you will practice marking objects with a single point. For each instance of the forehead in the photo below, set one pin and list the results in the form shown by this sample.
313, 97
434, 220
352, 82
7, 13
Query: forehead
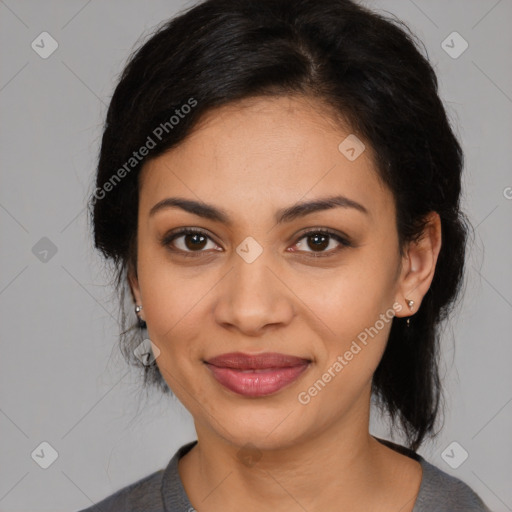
275, 150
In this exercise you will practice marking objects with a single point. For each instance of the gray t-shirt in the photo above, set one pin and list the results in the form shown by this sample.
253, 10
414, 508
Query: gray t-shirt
163, 491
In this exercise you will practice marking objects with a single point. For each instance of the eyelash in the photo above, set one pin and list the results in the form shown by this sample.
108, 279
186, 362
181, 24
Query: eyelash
170, 237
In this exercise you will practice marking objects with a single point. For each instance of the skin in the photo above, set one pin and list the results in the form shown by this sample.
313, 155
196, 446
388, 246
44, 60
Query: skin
253, 158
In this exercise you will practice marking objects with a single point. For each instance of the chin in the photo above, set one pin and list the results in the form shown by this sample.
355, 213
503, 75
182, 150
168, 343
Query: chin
266, 428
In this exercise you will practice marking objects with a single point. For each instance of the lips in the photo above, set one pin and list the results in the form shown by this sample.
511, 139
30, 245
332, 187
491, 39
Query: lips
256, 375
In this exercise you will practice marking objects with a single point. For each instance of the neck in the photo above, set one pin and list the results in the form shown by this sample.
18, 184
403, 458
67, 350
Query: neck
343, 461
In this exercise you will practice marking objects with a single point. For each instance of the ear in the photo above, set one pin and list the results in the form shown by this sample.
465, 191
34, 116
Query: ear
419, 265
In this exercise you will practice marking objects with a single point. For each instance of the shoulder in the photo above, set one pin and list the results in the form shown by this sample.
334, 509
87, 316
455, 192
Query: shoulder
441, 492
144, 494
158, 492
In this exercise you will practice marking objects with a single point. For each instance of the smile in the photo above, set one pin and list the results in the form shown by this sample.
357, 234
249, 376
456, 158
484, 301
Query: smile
256, 375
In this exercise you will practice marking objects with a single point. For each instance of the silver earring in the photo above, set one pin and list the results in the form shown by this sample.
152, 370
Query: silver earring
138, 309
410, 303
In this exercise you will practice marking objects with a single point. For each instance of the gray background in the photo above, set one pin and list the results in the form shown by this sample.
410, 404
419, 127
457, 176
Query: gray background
62, 378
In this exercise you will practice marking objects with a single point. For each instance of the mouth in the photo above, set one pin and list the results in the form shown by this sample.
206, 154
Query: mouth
256, 375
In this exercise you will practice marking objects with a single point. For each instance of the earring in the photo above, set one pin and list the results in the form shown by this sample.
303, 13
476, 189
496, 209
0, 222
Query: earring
144, 351
410, 303
138, 309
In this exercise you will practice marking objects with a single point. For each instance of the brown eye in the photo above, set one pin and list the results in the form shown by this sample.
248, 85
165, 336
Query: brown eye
319, 241
194, 241
188, 241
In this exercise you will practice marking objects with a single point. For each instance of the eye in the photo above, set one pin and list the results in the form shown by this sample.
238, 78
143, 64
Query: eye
194, 241
319, 240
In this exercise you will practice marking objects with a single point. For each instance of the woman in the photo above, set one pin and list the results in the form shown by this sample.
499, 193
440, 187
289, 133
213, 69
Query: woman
279, 185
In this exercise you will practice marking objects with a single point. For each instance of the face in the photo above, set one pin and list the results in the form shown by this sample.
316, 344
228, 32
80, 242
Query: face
265, 275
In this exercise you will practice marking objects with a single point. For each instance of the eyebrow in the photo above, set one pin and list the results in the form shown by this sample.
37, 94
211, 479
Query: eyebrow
283, 215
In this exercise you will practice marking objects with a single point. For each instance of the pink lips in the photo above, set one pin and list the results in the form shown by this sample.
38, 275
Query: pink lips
256, 375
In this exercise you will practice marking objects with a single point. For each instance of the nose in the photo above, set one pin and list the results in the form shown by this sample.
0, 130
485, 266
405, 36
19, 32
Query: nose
253, 298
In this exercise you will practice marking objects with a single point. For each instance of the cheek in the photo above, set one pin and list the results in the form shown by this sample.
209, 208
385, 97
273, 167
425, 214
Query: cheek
351, 298
171, 295
169, 306
352, 313
177, 310
174, 326
347, 362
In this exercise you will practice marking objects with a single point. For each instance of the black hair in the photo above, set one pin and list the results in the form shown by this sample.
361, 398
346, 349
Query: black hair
367, 68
